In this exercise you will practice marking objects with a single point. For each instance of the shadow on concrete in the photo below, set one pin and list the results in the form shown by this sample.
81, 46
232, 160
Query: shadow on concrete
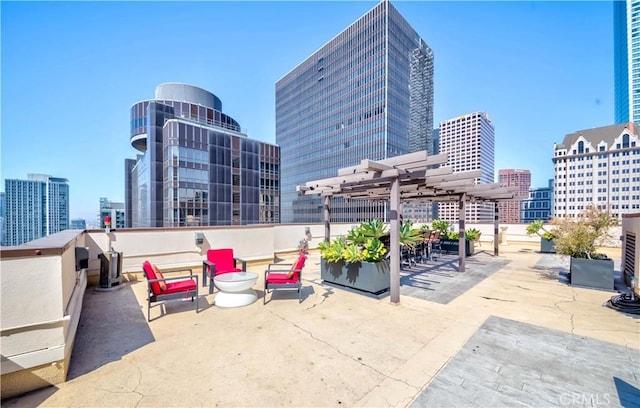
112, 324
31, 399
628, 395
441, 282
305, 292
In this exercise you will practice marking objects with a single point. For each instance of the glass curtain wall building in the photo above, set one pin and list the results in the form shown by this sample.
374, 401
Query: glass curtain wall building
196, 167
539, 204
36, 207
365, 94
626, 50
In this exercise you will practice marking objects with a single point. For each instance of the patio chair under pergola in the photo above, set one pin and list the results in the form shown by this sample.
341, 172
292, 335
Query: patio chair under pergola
413, 177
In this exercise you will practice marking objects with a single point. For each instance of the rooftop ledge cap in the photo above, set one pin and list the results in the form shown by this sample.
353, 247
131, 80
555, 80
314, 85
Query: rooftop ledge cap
51, 245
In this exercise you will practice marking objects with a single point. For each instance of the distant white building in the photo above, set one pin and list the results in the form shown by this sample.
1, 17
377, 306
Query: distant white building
599, 166
469, 142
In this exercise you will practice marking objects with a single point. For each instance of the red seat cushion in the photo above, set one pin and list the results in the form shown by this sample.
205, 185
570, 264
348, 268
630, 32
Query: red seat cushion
281, 278
180, 286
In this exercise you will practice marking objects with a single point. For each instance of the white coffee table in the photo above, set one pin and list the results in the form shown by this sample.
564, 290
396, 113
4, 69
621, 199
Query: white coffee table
235, 289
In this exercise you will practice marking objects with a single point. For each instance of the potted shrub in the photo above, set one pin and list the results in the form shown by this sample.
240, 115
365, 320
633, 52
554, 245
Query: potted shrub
547, 244
450, 240
580, 238
357, 261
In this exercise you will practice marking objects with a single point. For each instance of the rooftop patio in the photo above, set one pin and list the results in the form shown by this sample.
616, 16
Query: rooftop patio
506, 332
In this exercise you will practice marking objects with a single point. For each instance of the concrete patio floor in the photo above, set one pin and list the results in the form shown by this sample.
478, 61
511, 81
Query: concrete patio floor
337, 348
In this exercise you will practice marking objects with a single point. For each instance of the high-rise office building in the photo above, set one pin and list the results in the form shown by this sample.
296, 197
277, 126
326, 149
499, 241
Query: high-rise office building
365, 94
36, 207
78, 223
3, 214
469, 141
195, 166
424, 212
113, 210
600, 167
539, 204
509, 211
626, 53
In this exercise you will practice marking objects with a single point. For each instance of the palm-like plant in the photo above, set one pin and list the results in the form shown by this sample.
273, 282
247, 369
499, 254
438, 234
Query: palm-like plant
374, 229
356, 236
373, 250
409, 236
333, 250
352, 253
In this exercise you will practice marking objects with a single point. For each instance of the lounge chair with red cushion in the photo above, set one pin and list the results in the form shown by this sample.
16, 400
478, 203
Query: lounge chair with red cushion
219, 261
160, 288
284, 276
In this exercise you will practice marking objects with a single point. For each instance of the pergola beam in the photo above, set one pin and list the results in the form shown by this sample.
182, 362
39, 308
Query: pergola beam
407, 178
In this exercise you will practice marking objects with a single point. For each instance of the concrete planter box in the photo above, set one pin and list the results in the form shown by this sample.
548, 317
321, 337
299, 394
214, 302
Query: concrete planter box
453, 247
371, 277
547, 246
592, 273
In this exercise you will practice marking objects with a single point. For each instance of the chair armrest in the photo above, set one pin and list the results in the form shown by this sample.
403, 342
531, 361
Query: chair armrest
243, 261
279, 265
179, 270
268, 271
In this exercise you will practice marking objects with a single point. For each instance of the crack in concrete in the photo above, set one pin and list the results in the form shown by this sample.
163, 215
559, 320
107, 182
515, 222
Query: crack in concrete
492, 298
356, 360
556, 305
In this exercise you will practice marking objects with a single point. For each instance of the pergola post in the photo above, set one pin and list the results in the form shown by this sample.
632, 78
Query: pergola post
327, 212
462, 248
394, 201
496, 226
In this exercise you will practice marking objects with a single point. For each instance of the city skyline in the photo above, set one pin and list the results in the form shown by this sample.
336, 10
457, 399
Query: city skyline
69, 93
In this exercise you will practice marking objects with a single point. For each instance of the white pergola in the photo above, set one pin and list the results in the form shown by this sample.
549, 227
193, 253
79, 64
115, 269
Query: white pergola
413, 177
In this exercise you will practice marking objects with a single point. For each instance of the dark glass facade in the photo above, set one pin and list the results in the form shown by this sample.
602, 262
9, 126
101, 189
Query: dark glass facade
367, 93
198, 168
621, 61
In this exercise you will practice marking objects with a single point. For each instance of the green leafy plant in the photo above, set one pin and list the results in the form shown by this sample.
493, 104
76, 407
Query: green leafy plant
441, 225
535, 227
409, 236
452, 236
580, 237
362, 244
373, 250
375, 229
356, 236
333, 250
472, 234
352, 253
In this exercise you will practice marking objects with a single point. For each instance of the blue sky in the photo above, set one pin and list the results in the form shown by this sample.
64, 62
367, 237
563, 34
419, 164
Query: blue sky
72, 70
